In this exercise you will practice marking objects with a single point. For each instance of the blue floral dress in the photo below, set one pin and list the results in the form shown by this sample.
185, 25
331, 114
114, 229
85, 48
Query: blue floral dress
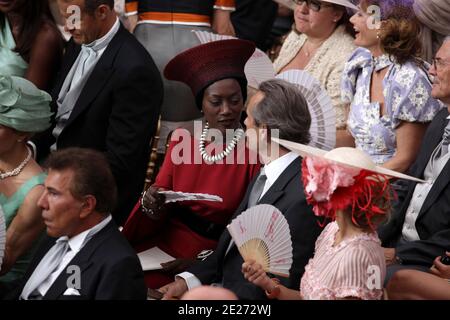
407, 97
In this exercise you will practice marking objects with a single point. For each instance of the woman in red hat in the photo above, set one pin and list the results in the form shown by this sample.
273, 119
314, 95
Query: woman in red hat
224, 167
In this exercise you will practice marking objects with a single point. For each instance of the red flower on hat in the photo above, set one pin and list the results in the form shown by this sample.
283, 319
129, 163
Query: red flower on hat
330, 187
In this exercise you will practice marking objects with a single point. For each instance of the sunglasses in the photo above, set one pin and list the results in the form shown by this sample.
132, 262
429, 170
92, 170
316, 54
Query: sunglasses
314, 5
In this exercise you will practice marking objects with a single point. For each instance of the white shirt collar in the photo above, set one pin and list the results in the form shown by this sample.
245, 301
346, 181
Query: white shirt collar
107, 37
275, 168
77, 242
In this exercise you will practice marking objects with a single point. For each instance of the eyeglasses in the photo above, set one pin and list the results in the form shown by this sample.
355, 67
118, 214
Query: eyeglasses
438, 63
314, 5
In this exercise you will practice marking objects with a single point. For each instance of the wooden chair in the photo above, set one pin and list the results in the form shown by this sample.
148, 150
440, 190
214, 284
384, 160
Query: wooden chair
156, 159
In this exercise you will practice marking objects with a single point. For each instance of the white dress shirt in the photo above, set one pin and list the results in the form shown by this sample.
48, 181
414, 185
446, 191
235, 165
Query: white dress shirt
103, 43
76, 243
77, 77
431, 173
275, 168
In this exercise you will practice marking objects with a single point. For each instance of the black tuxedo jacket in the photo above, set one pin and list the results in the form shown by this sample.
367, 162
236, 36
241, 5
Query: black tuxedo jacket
116, 113
433, 221
109, 268
288, 196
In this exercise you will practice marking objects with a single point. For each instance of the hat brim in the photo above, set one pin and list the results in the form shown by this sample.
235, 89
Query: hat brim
308, 151
343, 3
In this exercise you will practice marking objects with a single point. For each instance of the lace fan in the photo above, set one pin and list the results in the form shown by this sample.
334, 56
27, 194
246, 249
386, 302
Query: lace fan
258, 69
2, 236
323, 115
262, 233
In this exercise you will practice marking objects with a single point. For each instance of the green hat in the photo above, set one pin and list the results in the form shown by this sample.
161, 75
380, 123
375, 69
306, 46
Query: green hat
23, 106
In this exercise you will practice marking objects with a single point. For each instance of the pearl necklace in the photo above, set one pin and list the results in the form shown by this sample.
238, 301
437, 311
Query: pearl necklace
237, 136
17, 170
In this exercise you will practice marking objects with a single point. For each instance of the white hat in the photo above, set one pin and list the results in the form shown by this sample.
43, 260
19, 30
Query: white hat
345, 3
351, 157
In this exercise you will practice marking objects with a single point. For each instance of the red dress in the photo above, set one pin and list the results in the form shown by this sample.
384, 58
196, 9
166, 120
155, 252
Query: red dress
229, 181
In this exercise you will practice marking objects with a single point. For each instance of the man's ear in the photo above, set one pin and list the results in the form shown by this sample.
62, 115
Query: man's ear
102, 11
88, 206
264, 132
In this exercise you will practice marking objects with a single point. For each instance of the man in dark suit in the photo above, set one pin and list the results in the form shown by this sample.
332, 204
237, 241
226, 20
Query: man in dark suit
253, 20
84, 255
107, 96
420, 230
277, 105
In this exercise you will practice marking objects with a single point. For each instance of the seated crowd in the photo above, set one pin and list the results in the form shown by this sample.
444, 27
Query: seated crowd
89, 98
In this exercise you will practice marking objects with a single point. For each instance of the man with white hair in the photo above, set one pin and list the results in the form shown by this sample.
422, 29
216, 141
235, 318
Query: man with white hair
420, 230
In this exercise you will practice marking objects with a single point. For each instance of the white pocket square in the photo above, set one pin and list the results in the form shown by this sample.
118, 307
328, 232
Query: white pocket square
71, 292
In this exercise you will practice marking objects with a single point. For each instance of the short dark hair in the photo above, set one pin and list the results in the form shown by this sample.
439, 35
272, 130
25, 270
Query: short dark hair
284, 108
91, 5
92, 175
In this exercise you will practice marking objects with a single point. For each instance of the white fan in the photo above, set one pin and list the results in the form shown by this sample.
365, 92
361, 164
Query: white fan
262, 233
2, 236
258, 69
323, 115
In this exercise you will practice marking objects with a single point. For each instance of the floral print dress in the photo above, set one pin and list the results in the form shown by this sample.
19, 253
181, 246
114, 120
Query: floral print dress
407, 97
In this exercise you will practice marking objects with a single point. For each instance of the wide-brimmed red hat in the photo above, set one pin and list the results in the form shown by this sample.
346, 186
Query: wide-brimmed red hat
201, 66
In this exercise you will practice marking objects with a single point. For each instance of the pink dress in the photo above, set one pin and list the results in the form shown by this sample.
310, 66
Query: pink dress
354, 268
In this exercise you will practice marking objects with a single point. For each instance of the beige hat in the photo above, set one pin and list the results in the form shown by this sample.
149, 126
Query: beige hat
345, 3
351, 157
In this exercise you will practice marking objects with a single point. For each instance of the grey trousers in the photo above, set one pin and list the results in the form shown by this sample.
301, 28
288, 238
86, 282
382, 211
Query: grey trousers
392, 269
163, 42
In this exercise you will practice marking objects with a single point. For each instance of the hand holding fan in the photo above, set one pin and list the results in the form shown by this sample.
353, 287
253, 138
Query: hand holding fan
262, 233
2, 235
